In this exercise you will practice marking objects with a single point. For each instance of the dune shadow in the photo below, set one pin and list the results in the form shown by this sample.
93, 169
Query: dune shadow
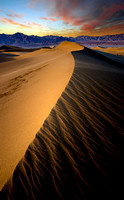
97, 56
4, 57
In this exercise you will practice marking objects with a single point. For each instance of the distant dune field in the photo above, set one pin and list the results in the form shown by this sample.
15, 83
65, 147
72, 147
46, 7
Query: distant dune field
8, 53
78, 153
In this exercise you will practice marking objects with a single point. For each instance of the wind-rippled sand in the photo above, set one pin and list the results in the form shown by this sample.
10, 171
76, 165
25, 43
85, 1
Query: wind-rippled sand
30, 86
79, 151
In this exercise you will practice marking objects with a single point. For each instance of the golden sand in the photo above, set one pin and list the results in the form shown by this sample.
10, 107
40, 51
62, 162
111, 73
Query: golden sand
29, 88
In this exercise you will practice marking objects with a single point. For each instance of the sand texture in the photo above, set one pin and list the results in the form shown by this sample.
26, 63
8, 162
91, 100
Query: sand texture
78, 153
29, 88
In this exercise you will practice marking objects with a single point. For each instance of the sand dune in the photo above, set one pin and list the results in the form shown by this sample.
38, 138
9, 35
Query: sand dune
79, 151
108, 57
7, 48
113, 50
29, 88
9, 53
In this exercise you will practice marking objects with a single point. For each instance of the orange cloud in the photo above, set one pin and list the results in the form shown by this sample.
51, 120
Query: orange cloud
6, 20
91, 26
114, 27
34, 24
86, 15
52, 19
45, 18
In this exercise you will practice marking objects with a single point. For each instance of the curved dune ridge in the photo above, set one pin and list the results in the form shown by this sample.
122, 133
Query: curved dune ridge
29, 88
79, 151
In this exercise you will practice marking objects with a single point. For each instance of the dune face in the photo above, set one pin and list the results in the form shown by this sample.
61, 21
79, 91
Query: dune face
9, 53
29, 88
113, 50
79, 151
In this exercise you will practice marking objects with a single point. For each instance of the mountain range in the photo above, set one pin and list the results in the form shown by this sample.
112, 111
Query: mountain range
22, 40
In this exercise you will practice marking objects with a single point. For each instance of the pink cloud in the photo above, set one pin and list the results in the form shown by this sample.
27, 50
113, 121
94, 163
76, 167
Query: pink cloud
101, 20
45, 18
78, 22
115, 27
83, 14
34, 24
108, 11
88, 27
52, 19
29, 24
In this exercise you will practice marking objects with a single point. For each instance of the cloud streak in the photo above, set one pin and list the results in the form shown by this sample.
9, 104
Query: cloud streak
44, 18
34, 24
20, 25
12, 14
50, 18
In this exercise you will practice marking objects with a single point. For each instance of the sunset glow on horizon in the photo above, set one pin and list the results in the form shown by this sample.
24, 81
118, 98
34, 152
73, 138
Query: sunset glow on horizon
62, 17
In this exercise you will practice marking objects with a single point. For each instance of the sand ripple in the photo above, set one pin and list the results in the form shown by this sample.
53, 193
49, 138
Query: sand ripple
79, 151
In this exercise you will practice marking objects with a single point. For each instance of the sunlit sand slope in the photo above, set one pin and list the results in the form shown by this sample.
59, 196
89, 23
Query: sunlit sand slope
79, 151
29, 88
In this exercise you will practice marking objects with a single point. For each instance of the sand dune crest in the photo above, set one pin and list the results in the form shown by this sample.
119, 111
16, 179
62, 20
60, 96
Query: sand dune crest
30, 87
78, 153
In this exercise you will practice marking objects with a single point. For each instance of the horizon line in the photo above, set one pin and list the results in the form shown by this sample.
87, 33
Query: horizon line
64, 36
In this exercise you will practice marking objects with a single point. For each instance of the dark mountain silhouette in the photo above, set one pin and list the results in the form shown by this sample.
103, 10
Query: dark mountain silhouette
22, 40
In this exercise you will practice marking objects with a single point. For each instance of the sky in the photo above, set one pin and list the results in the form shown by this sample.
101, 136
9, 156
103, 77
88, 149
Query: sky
69, 18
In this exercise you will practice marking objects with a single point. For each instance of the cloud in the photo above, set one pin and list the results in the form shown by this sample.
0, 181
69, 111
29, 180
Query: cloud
89, 27
12, 14
109, 14
50, 18
114, 27
84, 14
32, 24
60, 9
117, 16
26, 25
33, 3
6, 20
45, 18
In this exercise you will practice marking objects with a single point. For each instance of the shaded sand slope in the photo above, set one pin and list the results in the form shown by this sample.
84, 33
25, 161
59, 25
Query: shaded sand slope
113, 50
116, 58
8, 53
79, 151
29, 88
110, 58
4, 57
